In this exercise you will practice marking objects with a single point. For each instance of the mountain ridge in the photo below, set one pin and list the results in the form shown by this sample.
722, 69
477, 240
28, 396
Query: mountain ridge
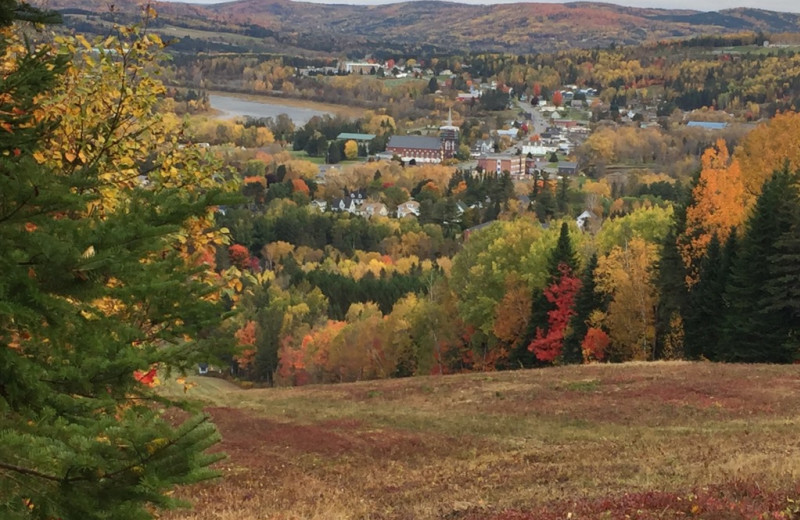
443, 26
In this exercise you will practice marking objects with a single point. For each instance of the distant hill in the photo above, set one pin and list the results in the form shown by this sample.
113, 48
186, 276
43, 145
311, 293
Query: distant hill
433, 26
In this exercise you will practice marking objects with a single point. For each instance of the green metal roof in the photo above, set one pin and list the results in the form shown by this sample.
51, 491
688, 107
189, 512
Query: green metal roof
356, 137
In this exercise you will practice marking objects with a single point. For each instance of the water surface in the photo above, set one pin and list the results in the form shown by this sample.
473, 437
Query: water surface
230, 106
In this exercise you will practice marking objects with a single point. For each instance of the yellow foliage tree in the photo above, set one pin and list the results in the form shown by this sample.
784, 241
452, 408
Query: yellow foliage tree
625, 274
767, 149
351, 150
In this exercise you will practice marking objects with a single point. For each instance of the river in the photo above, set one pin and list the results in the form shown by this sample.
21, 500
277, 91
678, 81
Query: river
230, 106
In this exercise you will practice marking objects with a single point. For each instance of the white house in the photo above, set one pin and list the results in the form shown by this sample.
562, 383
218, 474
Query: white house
410, 207
371, 209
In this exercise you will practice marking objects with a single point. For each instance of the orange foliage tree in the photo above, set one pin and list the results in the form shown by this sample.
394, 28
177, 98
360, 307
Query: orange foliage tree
594, 345
718, 205
246, 337
512, 312
300, 185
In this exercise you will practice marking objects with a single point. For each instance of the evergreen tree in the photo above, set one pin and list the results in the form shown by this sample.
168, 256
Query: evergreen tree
563, 253
92, 300
433, 85
334, 153
545, 205
704, 305
562, 199
783, 288
535, 190
670, 280
587, 301
758, 327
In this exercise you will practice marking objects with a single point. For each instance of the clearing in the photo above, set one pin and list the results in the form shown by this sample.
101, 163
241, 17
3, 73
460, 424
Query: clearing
641, 440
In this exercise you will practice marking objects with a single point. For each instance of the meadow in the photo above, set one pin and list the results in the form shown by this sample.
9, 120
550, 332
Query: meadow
637, 440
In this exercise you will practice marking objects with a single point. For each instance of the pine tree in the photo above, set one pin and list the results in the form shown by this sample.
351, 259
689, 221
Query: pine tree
670, 279
783, 288
96, 295
758, 327
563, 253
587, 301
562, 199
545, 204
703, 314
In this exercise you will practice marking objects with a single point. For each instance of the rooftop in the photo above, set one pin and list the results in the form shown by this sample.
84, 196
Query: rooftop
355, 137
708, 125
415, 141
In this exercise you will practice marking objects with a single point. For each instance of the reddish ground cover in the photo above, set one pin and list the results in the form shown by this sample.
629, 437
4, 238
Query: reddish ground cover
640, 441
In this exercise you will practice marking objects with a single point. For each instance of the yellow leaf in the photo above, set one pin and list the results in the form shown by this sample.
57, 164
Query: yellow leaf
83, 41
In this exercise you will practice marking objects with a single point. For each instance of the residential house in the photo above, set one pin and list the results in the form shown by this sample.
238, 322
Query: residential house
567, 168
371, 209
347, 204
410, 207
482, 147
319, 204
588, 222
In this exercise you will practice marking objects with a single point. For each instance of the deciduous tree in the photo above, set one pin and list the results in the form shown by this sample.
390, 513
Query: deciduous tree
625, 275
718, 205
351, 150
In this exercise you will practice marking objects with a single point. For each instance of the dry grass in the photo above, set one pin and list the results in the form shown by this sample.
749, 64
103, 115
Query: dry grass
662, 440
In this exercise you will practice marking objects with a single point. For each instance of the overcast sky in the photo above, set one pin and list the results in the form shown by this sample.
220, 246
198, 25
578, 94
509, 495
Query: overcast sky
792, 6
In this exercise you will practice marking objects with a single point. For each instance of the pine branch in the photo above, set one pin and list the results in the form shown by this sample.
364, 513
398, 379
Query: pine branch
27, 471
67, 479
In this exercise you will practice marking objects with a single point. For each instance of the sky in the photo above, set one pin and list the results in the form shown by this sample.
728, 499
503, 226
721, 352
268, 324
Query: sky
791, 6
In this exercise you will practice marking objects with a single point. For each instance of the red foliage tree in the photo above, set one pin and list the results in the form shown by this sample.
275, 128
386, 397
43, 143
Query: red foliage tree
547, 345
557, 98
239, 255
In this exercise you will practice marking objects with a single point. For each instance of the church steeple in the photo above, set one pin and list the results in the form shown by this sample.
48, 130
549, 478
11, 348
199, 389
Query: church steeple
449, 136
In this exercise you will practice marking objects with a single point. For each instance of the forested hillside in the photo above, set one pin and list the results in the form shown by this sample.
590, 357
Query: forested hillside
625, 204
431, 27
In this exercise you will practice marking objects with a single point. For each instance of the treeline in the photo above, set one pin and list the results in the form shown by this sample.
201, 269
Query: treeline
714, 278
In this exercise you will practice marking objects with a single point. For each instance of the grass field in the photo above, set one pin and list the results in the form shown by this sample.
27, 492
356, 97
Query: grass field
642, 441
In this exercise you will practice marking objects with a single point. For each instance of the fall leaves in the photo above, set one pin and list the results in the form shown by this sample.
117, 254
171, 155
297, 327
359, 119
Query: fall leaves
720, 205
728, 186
